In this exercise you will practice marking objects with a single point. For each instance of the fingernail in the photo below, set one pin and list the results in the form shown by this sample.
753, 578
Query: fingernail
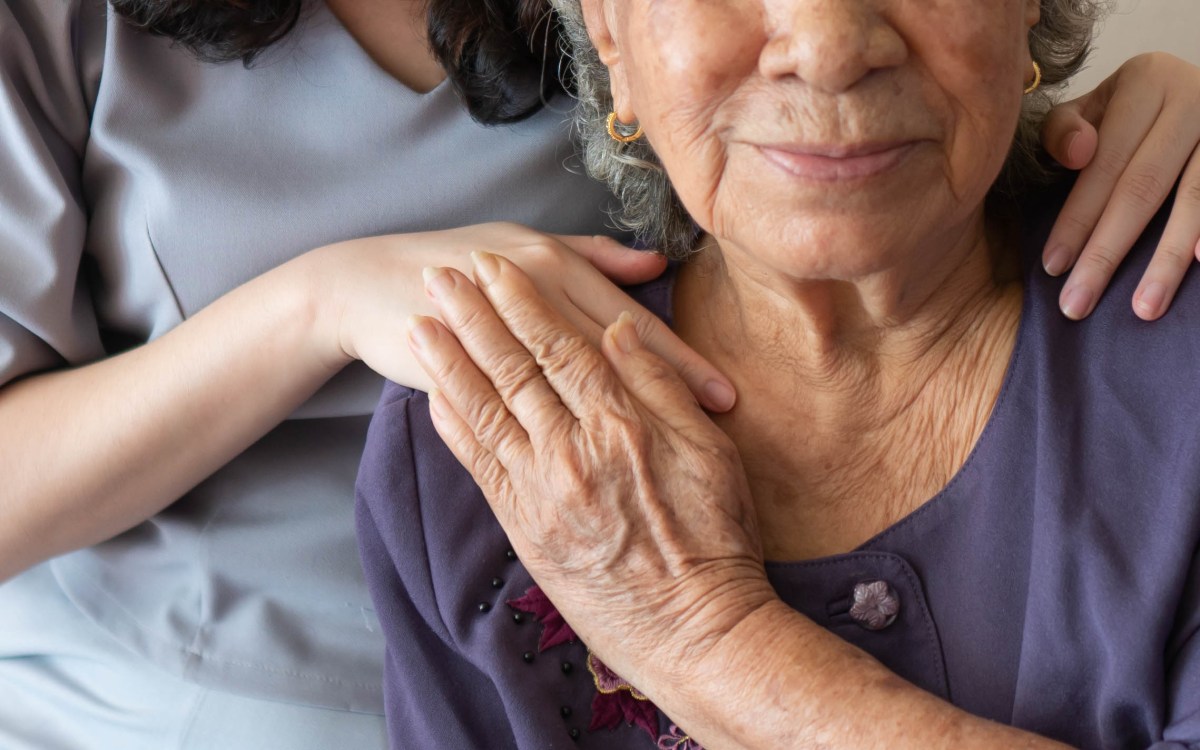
1058, 260
438, 281
487, 268
1071, 143
1151, 298
421, 331
626, 333
719, 395
1077, 303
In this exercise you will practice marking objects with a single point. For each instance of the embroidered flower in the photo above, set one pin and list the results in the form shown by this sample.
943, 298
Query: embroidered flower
608, 681
618, 701
677, 740
555, 629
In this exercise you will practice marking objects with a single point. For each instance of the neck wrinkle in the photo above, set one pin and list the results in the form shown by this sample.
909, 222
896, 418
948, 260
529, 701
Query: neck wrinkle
856, 355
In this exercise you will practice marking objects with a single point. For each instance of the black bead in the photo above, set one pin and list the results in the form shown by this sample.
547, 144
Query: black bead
565, 711
497, 583
528, 657
518, 618
567, 667
484, 607
574, 733
511, 554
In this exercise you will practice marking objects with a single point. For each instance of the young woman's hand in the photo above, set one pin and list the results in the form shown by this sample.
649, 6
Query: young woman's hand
1148, 116
371, 286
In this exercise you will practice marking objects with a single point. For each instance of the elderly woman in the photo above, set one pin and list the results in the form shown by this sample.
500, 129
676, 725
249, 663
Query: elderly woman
938, 508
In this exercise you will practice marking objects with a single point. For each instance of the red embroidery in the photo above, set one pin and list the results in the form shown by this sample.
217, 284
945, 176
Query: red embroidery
555, 629
616, 701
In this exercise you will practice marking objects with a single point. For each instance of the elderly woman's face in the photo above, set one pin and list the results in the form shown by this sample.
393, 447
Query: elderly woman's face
831, 135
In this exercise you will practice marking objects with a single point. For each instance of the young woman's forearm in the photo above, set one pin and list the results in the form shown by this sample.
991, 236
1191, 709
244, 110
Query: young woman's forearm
89, 452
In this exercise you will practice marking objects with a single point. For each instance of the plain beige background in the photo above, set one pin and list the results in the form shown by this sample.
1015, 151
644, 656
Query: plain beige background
1143, 26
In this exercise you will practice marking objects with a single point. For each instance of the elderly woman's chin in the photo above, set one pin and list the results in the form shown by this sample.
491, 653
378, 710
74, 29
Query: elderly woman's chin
835, 217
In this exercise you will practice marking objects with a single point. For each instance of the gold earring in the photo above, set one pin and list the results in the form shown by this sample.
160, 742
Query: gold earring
1037, 78
620, 137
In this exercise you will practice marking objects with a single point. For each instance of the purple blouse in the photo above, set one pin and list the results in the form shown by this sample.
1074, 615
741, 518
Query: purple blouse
1053, 584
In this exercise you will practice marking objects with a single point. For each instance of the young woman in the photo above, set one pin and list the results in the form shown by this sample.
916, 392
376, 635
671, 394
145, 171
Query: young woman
184, 308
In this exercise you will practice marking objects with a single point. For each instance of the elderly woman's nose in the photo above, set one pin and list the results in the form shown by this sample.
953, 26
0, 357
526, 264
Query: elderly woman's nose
829, 44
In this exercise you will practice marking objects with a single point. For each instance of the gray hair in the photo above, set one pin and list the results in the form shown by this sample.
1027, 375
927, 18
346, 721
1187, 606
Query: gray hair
1060, 42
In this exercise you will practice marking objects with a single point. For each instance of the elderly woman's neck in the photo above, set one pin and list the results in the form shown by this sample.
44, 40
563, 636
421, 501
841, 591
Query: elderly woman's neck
831, 335
856, 401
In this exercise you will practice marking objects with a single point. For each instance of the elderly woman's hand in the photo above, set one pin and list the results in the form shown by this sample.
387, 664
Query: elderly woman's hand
611, 482
1129, 168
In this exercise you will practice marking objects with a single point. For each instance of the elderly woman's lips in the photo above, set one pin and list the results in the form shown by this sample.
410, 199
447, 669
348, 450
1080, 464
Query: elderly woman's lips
833, 164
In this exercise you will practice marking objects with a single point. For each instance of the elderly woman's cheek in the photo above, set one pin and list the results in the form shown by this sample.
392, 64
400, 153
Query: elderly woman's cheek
695, 159
974, 85
686, 61
694, 34
690, 50
985, 132
976, 153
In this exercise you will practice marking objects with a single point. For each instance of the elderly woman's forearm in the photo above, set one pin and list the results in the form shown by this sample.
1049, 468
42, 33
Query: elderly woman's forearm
779, 680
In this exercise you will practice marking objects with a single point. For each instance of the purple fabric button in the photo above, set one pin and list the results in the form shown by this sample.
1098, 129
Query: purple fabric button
876, 605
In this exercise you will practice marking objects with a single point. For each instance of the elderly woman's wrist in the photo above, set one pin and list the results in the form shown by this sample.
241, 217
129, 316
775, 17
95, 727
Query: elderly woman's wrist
663, 649
745, 655
716, 616
721, 693
705, 679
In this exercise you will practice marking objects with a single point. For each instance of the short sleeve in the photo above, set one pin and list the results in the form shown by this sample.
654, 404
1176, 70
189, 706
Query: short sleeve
46, 316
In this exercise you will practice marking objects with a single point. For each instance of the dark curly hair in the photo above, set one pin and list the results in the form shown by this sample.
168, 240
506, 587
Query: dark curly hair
502, 56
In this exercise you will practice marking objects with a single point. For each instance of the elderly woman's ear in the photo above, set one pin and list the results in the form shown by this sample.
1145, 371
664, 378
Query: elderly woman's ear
600, 17
1033, 15
1033, 12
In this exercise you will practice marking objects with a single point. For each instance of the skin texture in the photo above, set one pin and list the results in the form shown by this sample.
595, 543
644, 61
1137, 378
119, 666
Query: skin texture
860, 305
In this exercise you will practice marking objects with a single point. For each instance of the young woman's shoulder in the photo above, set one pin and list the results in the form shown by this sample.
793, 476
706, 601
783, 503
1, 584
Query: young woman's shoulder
50, 60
